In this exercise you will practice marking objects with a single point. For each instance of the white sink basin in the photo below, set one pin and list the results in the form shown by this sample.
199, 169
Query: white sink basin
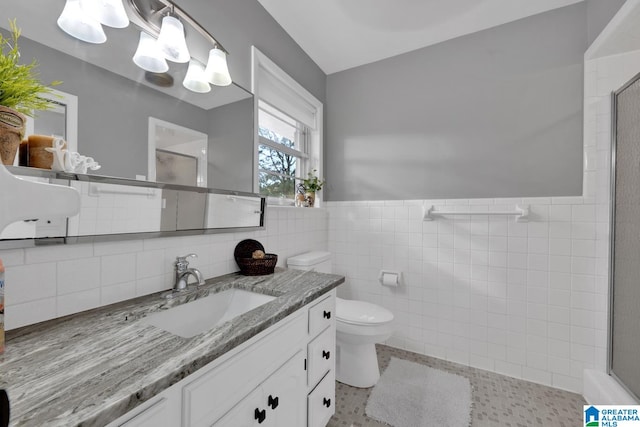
193, 318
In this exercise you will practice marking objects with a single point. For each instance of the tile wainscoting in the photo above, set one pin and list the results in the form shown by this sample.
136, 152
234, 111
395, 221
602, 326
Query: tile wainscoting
522, 299
53, 281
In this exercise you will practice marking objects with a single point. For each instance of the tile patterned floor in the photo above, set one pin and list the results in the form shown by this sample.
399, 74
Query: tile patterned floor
498, 400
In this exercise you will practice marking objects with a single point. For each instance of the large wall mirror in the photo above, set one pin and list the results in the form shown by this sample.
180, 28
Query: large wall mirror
116, 100
195, 150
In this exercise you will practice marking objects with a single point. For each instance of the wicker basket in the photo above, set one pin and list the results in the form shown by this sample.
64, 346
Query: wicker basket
254, 267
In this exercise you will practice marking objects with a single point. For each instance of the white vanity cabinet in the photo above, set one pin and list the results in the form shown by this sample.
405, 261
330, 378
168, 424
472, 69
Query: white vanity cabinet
282, 377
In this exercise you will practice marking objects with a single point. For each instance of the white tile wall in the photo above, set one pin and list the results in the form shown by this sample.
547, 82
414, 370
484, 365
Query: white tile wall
48, 282
485, 290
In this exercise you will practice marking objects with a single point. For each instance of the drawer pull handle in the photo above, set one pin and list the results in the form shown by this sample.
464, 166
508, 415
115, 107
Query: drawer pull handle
260, 415
326, 402
326, 354
273, 402
327, 315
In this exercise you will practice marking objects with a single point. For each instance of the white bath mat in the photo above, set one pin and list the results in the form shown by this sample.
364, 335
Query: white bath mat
412, 395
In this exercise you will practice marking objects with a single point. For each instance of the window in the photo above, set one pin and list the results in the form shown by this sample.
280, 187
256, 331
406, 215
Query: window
289, 137
281, 152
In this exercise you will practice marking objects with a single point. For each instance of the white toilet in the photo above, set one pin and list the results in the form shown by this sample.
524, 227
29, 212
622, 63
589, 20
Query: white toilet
359, 326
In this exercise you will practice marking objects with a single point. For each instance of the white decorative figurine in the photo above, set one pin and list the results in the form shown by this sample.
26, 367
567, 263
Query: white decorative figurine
70, 161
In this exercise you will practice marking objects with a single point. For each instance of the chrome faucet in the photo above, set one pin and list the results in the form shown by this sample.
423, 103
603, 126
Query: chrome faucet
182, 270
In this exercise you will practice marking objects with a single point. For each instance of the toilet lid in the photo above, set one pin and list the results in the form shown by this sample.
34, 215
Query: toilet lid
361, 312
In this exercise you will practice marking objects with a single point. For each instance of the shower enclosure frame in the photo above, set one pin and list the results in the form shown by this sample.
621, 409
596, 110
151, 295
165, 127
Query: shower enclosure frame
612, 229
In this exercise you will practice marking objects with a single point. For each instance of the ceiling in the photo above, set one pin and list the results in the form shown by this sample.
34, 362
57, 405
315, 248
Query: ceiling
342, 34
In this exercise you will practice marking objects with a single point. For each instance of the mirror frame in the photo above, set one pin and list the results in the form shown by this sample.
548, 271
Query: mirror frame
67, 178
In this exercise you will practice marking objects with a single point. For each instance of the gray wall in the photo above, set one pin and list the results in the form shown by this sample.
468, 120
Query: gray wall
238, 24
497, 113
231, 147
599, 13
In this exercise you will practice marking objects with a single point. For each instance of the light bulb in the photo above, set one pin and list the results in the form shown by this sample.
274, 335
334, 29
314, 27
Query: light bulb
171, 40
148, 56
217, 71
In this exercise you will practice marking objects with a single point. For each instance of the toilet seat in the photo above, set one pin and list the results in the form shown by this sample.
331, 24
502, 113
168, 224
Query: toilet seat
361, 313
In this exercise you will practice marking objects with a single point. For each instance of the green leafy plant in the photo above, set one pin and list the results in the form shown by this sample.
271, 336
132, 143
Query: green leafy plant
312, 183
20, 88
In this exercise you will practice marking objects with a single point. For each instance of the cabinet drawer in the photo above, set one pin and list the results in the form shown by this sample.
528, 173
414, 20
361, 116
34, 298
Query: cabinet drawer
322, 315
321, 353
214, 393
321, 402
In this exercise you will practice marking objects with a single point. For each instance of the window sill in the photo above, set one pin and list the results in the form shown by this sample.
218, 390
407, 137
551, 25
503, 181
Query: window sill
271, 206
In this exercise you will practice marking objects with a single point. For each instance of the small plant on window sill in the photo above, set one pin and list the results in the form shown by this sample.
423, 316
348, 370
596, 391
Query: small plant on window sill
308, 188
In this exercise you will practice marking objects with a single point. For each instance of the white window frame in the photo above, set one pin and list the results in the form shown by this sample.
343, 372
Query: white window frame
293, 94
300, 152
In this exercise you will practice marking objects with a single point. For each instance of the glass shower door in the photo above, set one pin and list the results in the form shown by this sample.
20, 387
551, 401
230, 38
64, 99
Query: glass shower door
625, 238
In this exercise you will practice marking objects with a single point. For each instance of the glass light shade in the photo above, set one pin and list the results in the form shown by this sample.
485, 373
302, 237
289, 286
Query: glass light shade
171, 40
112, 14
78, 23
148, 56
217, 71
195, 80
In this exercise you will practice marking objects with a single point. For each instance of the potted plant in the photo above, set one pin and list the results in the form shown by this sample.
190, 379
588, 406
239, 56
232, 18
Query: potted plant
20, 94
311, 185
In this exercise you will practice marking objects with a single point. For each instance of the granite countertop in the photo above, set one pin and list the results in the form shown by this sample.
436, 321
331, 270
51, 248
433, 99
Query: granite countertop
92, 367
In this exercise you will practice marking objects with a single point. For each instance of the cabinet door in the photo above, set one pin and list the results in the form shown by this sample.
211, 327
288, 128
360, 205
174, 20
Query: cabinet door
278, 402
250, 412
284, 393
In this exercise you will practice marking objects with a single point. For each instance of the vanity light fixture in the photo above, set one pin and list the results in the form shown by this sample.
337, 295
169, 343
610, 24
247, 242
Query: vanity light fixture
195, 80
79, 23
217, 71
171, 40
82, 19
148, 55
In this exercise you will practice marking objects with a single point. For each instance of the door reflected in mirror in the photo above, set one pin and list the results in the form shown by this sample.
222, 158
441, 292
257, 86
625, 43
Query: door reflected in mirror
177, 154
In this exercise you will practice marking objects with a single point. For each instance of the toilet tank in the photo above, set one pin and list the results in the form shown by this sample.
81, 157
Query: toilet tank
319, 261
